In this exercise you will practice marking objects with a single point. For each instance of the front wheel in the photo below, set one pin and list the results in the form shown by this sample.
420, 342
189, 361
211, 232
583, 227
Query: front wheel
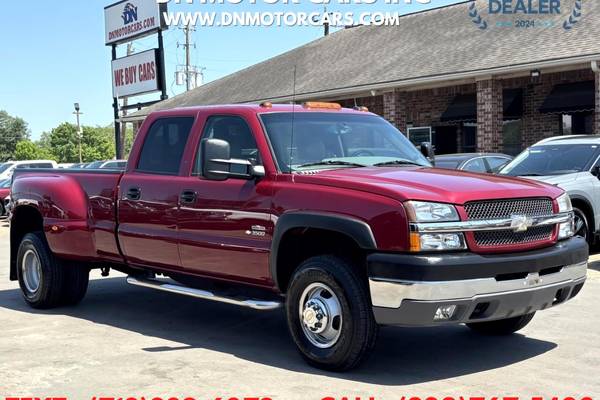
582, 228
329, 314
502, 327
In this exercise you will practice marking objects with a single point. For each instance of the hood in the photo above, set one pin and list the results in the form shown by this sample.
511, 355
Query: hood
555, 179
429, 184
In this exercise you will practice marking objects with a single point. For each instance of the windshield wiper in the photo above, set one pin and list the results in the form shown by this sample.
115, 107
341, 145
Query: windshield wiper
397, 162
331, 162
530, 174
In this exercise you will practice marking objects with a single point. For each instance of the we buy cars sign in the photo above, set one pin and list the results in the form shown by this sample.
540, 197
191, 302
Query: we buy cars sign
131, 19
136, 74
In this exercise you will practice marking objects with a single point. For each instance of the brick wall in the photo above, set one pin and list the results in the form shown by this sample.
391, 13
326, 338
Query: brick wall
597, 116
425, 107
373, 103
489, 115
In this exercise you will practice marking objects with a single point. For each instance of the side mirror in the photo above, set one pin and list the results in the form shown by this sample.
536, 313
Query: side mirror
213, 153
217, 164
427, 151
596, 171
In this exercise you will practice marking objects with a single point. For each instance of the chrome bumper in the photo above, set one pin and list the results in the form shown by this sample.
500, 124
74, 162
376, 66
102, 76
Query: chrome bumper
410, 303
390, 294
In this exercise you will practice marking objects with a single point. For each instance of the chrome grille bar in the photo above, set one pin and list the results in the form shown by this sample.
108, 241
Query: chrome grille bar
488, 225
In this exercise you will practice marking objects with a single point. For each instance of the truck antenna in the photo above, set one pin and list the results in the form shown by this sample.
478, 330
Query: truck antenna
293, 121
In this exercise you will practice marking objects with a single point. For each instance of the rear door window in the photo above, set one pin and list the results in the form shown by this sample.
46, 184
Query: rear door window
475, 165
164, 145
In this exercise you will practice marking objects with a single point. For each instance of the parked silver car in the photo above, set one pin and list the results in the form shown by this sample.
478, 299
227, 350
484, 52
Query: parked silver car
573, 164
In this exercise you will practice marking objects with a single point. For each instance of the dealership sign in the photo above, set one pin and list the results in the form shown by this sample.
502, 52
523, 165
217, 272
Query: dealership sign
131, 19
136, 74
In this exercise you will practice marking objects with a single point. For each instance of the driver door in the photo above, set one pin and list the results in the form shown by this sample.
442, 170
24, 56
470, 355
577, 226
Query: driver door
225, 227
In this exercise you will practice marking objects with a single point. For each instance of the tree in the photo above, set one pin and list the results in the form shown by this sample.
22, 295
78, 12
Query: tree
97, 143
12, 131
27, 150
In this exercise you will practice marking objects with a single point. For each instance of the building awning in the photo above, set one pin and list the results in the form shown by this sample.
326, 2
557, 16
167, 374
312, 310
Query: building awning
569, 98
512, 100
463, 108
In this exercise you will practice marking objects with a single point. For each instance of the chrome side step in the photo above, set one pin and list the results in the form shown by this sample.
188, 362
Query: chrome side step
203, 294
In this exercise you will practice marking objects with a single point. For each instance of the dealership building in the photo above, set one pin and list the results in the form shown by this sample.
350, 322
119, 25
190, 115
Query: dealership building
438, 76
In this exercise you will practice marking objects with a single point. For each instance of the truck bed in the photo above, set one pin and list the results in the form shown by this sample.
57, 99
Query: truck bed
84, 202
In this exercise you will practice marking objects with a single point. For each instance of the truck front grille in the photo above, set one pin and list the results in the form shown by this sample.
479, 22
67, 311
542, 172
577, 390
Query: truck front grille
504, 209
504, 237
499, 209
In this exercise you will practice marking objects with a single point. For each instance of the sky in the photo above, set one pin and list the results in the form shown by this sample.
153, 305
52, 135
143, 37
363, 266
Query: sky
52, 53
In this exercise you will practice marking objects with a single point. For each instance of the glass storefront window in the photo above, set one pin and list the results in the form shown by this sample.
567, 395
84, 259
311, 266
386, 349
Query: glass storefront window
512, 141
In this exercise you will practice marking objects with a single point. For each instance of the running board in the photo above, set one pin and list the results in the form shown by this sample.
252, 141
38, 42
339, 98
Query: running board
203, 294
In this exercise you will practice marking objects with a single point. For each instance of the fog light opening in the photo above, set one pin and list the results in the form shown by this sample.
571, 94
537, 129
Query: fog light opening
444, 313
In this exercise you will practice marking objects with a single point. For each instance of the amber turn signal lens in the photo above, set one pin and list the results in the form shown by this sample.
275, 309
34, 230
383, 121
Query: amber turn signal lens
415, 241
320, 104
266, 104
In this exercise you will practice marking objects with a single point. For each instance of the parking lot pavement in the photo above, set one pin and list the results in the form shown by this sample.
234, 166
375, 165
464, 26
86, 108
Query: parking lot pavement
129, 341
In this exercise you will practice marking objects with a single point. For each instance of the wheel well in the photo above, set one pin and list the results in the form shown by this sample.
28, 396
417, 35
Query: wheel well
299, 244
24, 220
584, 206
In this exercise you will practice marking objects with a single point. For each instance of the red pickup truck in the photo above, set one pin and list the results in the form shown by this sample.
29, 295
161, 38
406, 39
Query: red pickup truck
329, 212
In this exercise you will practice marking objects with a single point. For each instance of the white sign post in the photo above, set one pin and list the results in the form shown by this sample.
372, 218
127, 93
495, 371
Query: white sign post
130, 19
136, 74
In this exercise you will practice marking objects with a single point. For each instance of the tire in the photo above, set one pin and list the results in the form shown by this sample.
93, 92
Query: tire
502, 327
40, 274
45, 281
2, 209
582, 227
330, 284
75, 284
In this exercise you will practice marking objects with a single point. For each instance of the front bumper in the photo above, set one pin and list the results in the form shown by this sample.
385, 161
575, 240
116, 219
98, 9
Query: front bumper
408, 289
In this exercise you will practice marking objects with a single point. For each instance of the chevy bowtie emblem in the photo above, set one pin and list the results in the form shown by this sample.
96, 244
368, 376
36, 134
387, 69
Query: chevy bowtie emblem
520, 223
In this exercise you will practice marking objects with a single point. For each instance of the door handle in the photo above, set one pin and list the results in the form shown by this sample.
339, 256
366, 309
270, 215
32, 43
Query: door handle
188, 197
134, 193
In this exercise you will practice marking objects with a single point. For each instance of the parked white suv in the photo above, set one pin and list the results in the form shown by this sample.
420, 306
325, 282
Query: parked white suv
7, 169
573, 164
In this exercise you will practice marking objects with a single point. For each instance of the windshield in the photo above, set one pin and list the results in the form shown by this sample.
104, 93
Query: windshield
5, 184
551, 160
328, 140
5, 166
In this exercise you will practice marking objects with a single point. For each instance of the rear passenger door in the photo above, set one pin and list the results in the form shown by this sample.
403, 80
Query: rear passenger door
149, 195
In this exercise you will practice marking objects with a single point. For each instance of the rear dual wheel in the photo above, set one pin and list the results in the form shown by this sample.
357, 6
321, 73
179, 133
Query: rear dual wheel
45, 281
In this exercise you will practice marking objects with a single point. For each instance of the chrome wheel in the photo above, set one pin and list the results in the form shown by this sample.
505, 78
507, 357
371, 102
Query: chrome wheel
581, 225
32, 271
320, 315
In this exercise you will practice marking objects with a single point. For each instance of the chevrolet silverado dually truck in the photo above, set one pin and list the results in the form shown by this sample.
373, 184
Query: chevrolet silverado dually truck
329, 212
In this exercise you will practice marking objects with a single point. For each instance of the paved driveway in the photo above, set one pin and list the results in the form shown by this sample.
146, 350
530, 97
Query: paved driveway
128, 341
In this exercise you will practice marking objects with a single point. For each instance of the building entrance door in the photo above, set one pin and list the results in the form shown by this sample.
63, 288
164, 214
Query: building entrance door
445, 140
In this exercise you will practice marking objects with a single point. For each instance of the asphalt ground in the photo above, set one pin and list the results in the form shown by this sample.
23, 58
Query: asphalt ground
126, 341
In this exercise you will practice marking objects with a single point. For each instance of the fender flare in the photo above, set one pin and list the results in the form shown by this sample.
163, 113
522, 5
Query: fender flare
577, 197
356, 229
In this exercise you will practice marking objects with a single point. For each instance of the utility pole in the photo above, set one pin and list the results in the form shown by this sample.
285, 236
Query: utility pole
79, 132
187, 58
188, 72
121, 147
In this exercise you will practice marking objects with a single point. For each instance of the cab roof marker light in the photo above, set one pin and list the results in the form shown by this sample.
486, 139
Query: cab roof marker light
321, 104
361, 108
266, 104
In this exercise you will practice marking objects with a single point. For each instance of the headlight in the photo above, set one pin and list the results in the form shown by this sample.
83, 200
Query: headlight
566, 229
420, 211
437, 241
564, 203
